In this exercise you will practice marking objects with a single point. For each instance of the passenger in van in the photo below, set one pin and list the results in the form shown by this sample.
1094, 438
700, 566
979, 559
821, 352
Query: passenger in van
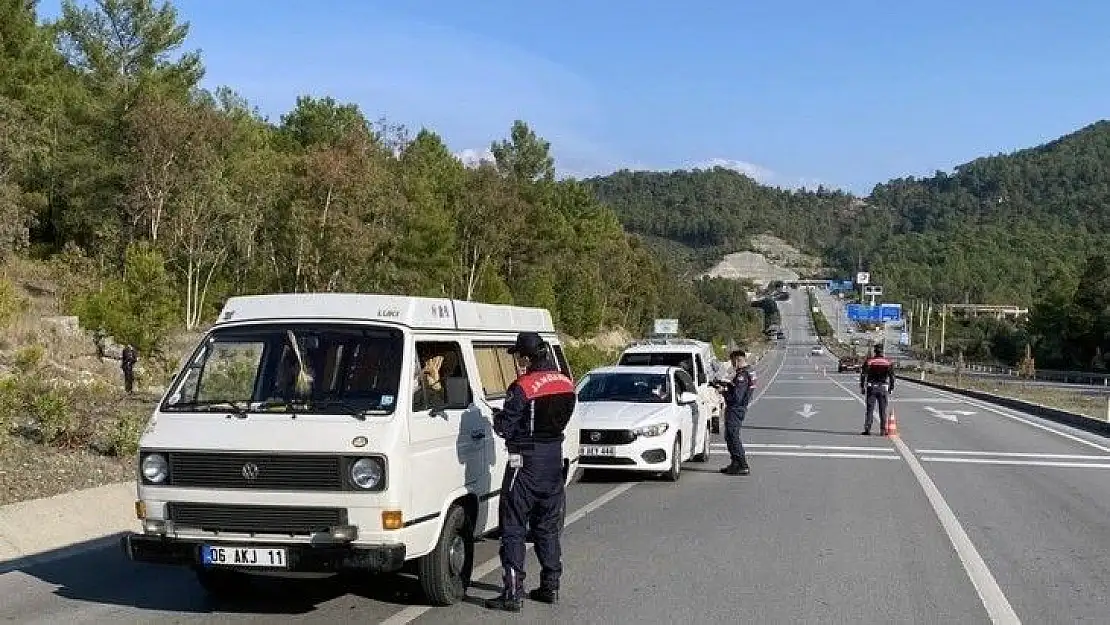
538, 406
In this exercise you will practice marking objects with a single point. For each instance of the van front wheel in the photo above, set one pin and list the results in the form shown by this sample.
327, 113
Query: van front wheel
445, 572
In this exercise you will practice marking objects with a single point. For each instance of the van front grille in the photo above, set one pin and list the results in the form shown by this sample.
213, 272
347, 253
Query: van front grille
298, 472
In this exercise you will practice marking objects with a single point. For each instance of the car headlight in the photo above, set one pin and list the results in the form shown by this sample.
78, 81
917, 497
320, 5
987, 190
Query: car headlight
656, 429
155, 468
367, 473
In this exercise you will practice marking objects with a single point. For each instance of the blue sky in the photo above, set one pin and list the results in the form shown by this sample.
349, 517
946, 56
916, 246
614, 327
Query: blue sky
848, 93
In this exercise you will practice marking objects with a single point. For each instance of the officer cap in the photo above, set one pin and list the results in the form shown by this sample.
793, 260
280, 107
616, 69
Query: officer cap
527, 344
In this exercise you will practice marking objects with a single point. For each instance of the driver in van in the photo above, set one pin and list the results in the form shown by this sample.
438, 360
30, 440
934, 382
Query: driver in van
538, 406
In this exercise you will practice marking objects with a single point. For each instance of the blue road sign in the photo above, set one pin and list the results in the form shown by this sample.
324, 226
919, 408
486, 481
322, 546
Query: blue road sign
861, 312
874, 314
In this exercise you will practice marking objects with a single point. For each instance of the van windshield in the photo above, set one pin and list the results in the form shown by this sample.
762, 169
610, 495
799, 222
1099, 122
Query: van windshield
307, 368
666, 359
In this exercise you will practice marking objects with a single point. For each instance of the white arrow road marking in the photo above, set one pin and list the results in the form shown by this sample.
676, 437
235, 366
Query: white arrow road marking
807, 411
948, 414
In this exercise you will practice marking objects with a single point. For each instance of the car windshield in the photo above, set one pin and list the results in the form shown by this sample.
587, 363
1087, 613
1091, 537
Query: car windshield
309, 368
651, 388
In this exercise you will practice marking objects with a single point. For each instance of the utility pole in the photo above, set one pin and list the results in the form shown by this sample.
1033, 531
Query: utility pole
943, 319
928, 322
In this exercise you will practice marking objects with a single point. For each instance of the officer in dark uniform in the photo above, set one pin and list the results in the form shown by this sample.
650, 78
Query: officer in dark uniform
538, 406
876, 381
737, 393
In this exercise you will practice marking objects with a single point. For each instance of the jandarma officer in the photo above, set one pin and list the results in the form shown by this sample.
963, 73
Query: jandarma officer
538, 406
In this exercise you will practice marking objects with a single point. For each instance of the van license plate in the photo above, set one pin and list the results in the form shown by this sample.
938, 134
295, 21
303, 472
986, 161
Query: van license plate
599, 451
267, 557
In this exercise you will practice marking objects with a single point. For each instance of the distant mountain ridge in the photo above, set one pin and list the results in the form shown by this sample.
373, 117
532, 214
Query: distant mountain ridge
998, 229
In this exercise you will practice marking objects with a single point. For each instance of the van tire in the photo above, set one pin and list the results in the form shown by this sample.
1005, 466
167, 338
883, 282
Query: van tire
222, 584
445, 572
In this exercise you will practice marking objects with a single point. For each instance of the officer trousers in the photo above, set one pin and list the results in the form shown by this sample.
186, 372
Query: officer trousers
876, 394
533, 494
734, 419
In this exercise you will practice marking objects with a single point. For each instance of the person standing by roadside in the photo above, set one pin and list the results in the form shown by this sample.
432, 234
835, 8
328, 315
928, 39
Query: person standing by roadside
738, 394
127, 362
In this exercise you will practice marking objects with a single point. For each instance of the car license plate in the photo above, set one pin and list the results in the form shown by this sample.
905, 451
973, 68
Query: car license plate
599, 451
267, 557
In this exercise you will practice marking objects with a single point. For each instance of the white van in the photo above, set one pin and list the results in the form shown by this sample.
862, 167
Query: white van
319, 433
696, 357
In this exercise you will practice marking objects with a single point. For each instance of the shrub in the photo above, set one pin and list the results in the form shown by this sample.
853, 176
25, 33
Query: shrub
585, 357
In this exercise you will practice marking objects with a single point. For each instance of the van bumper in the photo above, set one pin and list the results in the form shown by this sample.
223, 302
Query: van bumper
302, 558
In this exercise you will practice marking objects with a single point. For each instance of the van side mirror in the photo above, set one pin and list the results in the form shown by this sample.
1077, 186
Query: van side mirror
687, 398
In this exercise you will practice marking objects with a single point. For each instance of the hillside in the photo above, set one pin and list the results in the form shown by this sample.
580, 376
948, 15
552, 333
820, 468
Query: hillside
1000, 229
993, 231
692, 219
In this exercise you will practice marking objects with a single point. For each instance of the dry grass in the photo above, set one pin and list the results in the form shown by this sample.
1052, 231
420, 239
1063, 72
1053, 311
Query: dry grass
1081, 400
65, 422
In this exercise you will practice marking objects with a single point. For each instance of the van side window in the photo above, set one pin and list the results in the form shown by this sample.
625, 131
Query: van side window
496, 369
701, 369
561, 360
441, 379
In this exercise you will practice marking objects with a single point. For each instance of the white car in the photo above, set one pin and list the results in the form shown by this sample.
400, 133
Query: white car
641, 418
817, 351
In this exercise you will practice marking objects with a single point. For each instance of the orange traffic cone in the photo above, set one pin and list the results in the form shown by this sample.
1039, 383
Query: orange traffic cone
892, 424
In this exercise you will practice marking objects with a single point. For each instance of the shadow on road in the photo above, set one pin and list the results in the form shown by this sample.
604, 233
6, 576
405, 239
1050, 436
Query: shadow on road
102, 574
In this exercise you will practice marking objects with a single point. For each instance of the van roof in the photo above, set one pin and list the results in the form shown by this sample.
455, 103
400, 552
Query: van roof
418, 313
668, 345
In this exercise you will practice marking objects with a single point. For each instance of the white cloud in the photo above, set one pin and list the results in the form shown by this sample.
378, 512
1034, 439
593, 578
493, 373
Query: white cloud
472, 158
755, 172
761, 174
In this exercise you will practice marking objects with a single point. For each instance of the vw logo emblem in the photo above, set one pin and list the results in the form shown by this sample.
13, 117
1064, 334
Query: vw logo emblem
595, 436
250, 471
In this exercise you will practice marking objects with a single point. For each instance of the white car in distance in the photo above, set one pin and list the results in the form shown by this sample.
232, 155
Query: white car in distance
640, 418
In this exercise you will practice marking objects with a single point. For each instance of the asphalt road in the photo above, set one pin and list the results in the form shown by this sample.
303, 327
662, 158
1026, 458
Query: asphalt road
973, 514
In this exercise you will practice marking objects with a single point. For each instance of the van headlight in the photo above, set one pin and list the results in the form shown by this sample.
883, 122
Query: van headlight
655, 429
367, 473
155, 468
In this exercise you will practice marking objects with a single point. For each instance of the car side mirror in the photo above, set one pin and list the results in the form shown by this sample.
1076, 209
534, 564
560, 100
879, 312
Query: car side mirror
687, 398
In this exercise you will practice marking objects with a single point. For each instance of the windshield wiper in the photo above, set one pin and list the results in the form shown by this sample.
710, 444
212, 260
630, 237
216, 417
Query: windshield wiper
358, 413
237, 409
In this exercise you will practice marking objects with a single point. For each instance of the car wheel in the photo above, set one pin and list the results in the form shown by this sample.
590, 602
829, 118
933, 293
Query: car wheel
676, 461
445, 572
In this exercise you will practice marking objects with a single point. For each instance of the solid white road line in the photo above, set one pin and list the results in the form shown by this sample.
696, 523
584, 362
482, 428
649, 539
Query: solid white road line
1011, 454
1023, 463
825, 447
412, 613
818, 454
804, 398
994, 600
1009, 415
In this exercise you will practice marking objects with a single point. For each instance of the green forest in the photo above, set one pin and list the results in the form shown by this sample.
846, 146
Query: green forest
1022, 228
156, 199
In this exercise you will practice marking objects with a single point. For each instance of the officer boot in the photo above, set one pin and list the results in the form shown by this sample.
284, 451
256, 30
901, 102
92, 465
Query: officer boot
544, 594
739, 468
732, 467
510, 598
506, 602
